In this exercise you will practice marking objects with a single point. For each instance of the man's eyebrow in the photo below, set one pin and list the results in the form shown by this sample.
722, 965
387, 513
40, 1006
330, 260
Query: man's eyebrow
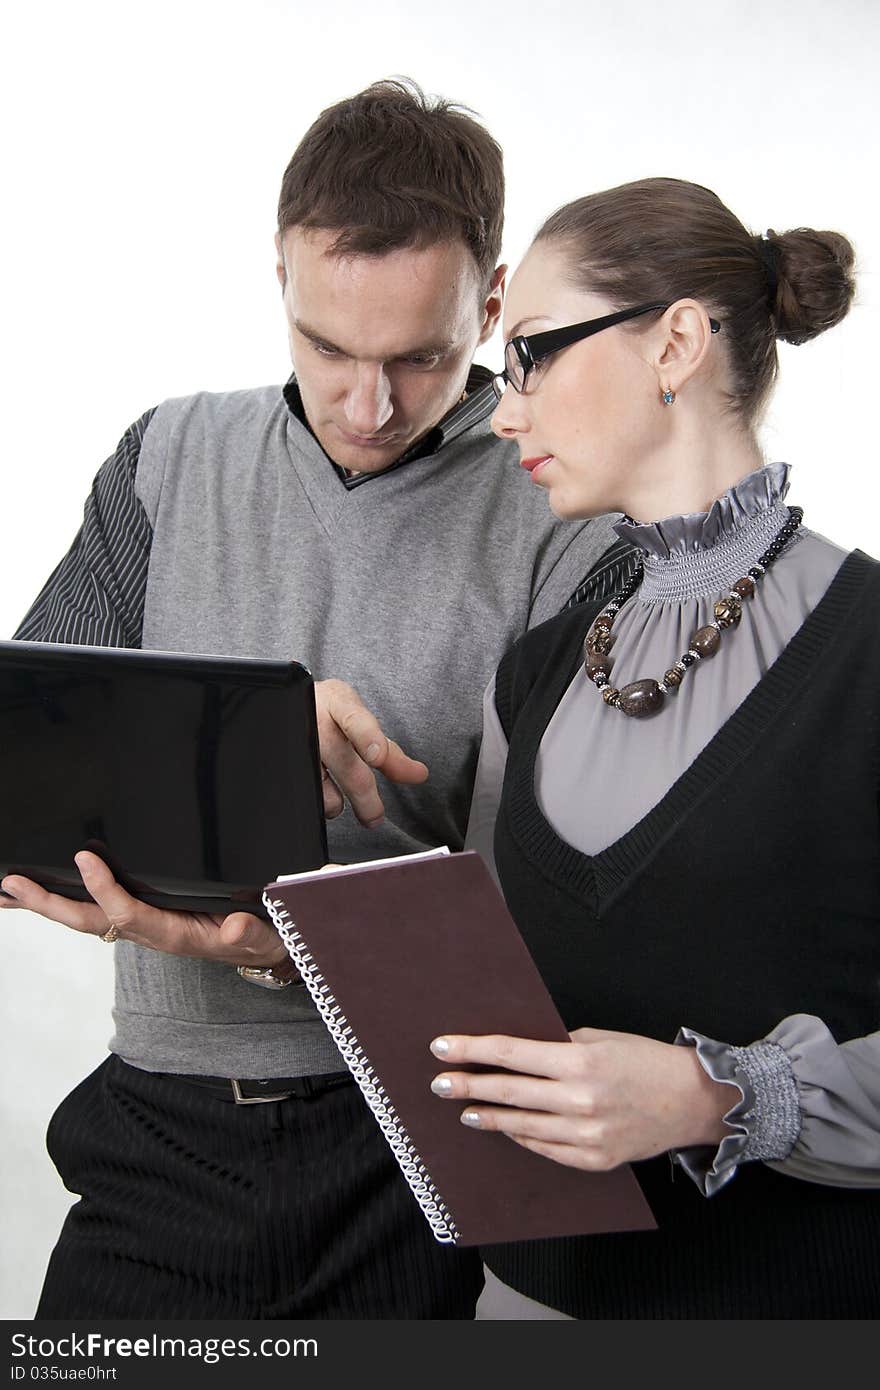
437, 349
428, 350
314, 336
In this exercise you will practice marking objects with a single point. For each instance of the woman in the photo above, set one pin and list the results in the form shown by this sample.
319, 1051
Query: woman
700, 887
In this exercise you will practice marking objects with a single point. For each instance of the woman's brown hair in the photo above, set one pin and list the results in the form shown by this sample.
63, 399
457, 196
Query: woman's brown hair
659, 240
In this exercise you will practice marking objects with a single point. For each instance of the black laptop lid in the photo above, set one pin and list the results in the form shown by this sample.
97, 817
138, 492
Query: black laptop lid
196, 778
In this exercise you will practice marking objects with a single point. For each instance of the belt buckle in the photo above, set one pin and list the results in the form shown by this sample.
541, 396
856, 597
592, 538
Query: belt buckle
241, 1099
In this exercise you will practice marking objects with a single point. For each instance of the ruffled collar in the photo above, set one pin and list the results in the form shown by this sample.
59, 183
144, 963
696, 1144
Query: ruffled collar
686, 556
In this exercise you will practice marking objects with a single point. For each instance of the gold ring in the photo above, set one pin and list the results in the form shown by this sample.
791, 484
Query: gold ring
111, 934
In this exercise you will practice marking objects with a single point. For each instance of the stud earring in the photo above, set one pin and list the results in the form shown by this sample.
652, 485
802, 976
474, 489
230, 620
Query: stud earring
668, 397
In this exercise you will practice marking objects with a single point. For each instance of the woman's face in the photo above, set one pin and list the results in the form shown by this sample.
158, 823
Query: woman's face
591, 417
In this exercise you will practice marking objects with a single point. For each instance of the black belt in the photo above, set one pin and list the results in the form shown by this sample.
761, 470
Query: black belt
276, 1088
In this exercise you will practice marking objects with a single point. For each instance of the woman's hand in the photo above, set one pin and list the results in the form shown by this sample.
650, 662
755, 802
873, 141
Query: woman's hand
600, 1100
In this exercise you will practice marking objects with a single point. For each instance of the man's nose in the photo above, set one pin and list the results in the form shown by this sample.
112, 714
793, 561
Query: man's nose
368, 405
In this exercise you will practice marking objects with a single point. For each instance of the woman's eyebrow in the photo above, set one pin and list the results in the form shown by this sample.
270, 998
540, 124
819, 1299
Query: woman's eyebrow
518, 327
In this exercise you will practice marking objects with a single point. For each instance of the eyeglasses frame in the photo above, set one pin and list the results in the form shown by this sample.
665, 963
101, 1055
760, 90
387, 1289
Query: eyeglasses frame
536, 347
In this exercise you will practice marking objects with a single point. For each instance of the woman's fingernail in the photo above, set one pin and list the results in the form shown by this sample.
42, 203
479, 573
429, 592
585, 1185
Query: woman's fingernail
440, 1047
441, 1086
373, 752
470, 1117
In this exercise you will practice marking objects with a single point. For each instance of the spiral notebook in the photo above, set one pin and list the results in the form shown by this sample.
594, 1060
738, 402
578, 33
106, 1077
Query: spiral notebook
397, 952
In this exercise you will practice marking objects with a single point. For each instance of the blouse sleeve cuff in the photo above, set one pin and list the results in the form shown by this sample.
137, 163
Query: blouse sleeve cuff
765, 1122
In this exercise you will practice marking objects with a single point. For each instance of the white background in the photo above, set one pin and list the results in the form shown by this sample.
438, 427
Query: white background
143, 154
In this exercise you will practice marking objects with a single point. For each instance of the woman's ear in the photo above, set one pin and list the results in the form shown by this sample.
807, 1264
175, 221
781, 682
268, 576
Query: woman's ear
680, 343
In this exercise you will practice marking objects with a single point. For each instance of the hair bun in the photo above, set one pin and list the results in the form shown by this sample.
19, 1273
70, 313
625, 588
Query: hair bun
815, 288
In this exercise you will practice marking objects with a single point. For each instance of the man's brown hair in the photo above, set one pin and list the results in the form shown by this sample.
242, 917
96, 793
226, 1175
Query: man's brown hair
390, 168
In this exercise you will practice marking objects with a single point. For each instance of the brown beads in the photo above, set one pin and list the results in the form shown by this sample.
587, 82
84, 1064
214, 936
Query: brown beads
646, 697
728, 611
706, 641
595, 662
640, 699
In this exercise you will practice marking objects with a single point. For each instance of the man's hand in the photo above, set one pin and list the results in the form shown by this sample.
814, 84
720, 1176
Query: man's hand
240, 939
352, 745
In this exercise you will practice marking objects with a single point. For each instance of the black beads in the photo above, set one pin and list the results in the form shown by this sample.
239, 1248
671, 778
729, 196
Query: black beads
686, 659
640, 699
780, 541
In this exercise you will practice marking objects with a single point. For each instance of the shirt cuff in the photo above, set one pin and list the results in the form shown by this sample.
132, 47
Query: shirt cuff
765, 1121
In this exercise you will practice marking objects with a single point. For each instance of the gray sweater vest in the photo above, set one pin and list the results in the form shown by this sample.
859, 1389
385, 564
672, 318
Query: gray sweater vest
410, 587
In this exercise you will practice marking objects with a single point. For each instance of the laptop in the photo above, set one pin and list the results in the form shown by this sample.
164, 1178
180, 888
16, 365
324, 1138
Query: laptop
196, 778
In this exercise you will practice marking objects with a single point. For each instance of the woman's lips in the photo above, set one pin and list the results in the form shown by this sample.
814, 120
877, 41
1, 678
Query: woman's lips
534, 465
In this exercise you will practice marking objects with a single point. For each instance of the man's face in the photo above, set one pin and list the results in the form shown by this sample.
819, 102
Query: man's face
381, 345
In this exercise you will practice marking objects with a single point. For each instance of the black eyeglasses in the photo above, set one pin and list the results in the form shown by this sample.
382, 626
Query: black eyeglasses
522, 354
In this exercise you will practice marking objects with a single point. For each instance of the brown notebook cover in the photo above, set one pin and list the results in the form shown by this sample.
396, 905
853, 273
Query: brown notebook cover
400, 953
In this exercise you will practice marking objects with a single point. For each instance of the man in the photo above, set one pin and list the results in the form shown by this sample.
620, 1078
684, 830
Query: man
366, 521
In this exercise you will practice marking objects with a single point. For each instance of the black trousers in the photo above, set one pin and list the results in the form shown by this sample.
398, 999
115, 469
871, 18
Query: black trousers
192, 1207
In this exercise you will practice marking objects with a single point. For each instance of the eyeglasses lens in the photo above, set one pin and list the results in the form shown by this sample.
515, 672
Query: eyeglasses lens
513, 367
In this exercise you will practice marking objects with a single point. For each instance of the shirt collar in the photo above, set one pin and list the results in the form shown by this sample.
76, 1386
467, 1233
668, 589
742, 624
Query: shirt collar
478, 402
760, 491
699, 553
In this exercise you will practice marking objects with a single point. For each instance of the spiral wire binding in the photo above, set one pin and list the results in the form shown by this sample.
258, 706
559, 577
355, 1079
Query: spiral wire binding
437, 1213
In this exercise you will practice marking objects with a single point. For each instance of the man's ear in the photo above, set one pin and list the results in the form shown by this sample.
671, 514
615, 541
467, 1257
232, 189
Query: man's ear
494, 303
280, 267
680, 343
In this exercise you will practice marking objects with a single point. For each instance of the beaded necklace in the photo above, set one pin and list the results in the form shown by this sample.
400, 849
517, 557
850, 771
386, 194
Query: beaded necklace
645, 697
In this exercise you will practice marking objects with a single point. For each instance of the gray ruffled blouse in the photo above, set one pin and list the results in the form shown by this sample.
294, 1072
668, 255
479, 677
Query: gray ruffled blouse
809, 1107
